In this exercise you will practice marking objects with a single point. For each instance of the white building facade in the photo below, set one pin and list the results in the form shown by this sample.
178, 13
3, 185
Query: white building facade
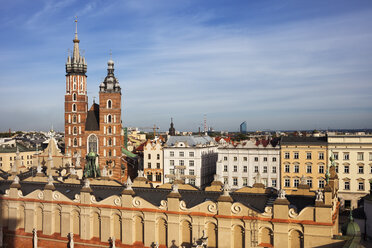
190, 158
353, 159
239, 165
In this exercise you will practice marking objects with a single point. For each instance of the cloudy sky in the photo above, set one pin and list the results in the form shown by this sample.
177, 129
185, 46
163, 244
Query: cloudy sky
275, 64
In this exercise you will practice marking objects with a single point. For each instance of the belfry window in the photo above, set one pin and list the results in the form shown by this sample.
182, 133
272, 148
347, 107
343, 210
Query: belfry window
75, 130
74, 119
92, 143
74, 97
109, 142
74, 107
109, 104
109, 118
109, 130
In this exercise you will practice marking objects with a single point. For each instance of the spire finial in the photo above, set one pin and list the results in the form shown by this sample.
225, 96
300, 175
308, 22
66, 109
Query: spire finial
76, 27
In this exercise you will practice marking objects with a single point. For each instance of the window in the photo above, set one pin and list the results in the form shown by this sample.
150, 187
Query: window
310, 182
158, 177
346, 185
109, 104
171, 154
225, 168
360, 169
346, 169
74, 97
192, 181
256, 169
235, 168
286, 155
245, 181
225, 180
191, 163
10, 158
245, 168
157, 165
74, 107
273, 169
370, 169
182, 171
149, 156
256, 159
191, 172
182, 154
295, 155
335, 155
274, 159
296, 181
171, 171
157, 156
149, 176
360, 156
235, 181
182, 162
361, 186
75, 141
346, 156
321, 183
75, 130
191, 154
321, 169
225, 158
308, 169
286, 168
110, 142
109, 118
171, 162
321, 155
265, 169
336, 168
265, 159
235, 158
245, 159
287, 182
273, 183
370, 156
109, 130
296, 168
109, 153
149, 165
308, 155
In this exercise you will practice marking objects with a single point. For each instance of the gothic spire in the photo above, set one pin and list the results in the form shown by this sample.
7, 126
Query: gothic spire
77, 63
76, 53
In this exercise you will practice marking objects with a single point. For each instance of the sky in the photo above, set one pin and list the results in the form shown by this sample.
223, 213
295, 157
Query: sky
278, 65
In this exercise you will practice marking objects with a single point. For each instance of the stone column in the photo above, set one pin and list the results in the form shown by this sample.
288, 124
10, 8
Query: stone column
29, 217
150, 228
105, 224
65, 220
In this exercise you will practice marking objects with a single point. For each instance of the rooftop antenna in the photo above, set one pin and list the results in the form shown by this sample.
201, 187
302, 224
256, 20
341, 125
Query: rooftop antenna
205, 123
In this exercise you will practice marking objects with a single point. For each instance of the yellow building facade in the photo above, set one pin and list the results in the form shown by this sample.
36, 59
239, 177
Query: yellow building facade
303, 159
8, 155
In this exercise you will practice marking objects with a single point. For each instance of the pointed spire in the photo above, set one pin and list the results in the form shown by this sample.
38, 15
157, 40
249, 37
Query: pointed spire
76, 53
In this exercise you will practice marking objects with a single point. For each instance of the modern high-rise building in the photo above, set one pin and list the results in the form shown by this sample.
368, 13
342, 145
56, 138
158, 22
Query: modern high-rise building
97, 130
243, 127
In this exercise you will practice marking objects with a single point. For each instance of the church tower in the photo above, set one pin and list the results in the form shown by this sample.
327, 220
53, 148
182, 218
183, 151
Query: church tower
110, 123
76, 101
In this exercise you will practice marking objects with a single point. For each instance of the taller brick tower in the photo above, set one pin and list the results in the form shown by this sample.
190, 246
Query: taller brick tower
76, 101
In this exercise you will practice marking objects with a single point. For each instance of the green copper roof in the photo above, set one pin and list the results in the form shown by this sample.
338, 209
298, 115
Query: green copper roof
128, 153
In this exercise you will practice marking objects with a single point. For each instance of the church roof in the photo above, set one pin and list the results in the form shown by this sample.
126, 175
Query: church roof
92, 123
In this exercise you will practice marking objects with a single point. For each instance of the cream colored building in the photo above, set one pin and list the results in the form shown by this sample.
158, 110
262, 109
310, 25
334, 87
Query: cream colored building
153, 161
92, 212
8, 154
353, 158
303, 158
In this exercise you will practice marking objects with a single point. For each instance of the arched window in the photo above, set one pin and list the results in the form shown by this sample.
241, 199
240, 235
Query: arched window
109, 142
109, 153
74, 107
109, 130
92, 143
109, 118
74, 118
74, 85
109, 104
74, 97
75, 141
75, 130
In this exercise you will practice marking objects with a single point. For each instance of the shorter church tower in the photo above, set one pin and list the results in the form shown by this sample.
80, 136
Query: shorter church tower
110, 122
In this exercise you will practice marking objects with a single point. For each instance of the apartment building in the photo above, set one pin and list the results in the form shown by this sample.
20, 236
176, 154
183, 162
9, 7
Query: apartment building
190, 158
153, 161
303, 157
245, 163
353, 160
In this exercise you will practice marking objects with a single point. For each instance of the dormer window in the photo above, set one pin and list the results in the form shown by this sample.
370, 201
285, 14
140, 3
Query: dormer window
109, 104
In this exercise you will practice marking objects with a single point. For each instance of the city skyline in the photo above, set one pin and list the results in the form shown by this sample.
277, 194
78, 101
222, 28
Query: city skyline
276, 65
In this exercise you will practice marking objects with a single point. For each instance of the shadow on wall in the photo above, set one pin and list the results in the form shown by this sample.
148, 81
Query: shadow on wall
7, 234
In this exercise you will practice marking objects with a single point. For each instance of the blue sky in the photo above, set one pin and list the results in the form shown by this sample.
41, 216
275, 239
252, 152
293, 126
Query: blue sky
275, 64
